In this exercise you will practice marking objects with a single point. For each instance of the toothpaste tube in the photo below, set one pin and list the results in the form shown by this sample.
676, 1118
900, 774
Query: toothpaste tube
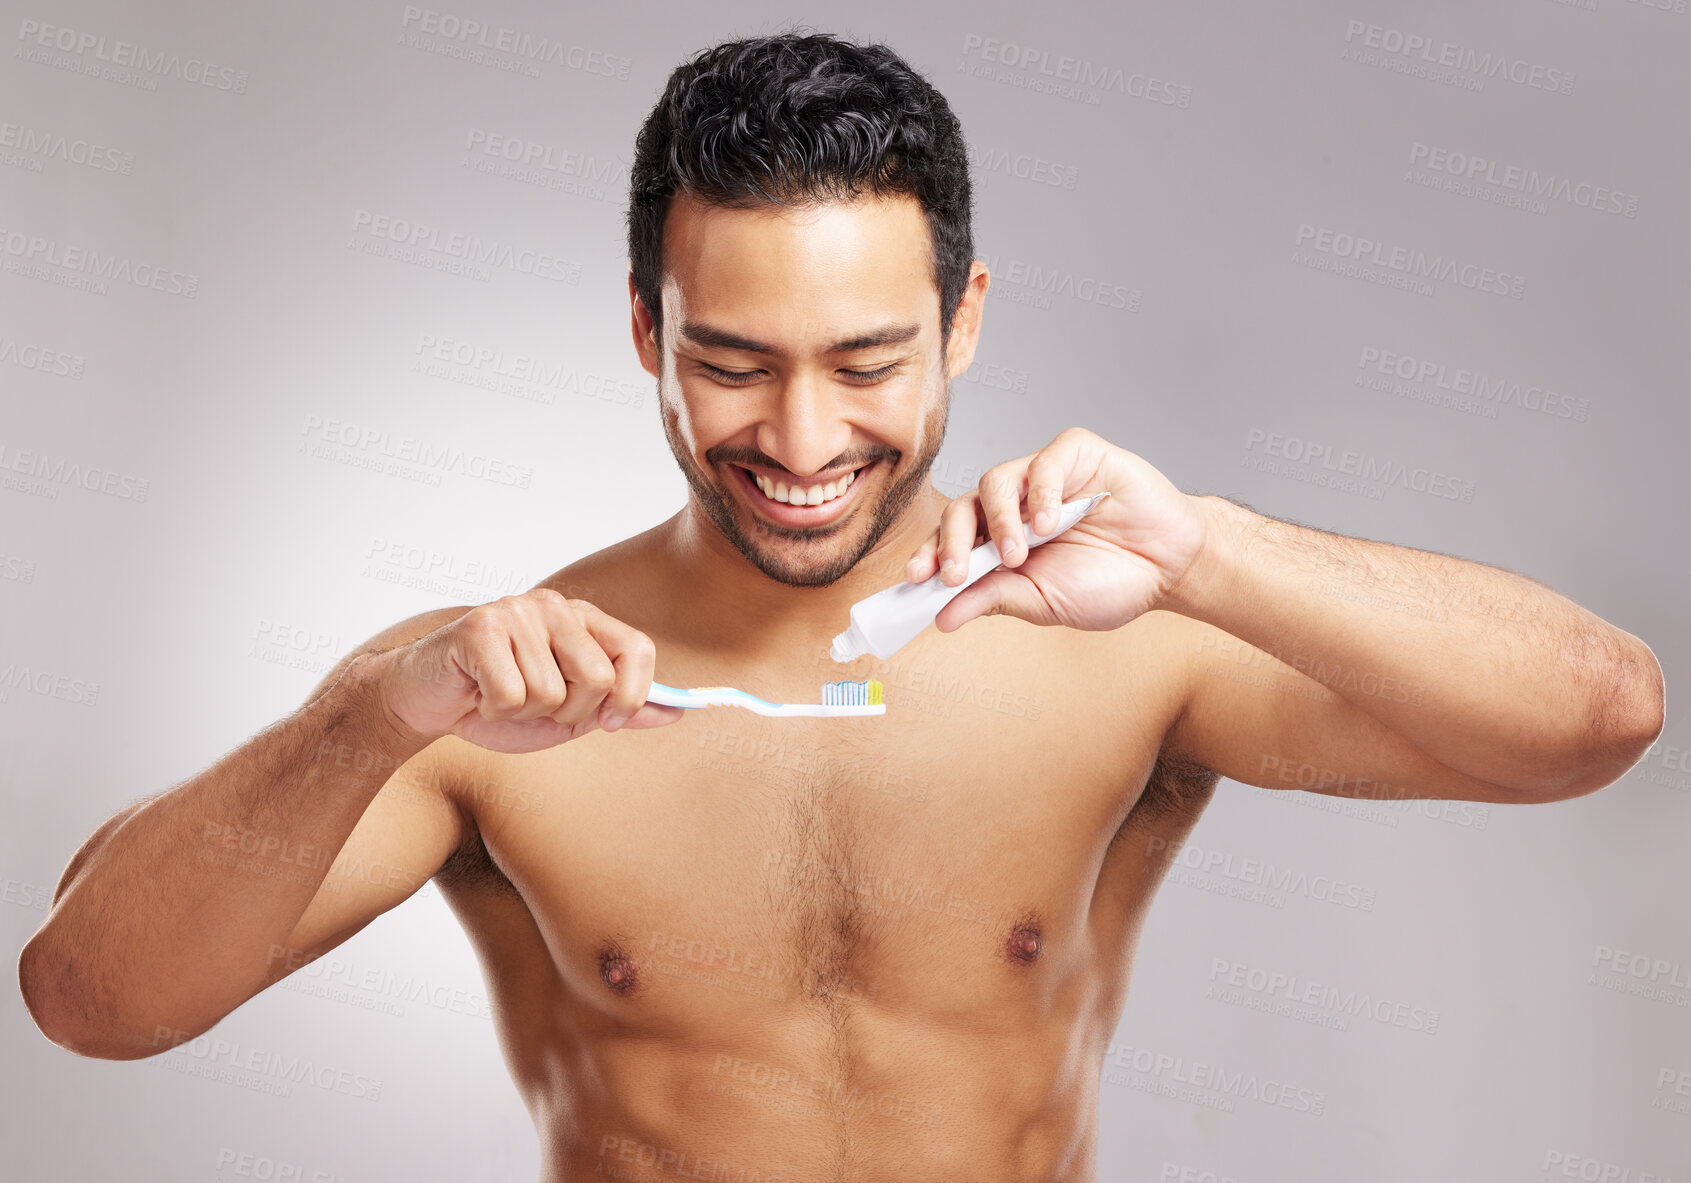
889, 620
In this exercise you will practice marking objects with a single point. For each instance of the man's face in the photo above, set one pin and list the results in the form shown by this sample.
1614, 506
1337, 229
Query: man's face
801, 358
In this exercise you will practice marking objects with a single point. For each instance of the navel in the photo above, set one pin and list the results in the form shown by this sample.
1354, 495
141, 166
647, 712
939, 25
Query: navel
1025, 942
616, 970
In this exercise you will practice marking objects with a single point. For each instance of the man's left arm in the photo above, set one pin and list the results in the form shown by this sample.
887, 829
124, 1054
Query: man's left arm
1489, 673
1437, 662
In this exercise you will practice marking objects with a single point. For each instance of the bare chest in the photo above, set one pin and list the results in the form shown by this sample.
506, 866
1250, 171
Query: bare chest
938, 856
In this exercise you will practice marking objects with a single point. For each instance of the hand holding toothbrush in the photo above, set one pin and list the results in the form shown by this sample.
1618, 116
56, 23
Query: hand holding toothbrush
521, 674
1117, 562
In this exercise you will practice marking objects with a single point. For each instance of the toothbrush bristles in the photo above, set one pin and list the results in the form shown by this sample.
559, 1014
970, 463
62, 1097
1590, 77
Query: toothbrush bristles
852, 694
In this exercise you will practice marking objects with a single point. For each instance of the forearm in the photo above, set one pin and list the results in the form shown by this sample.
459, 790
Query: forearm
1488, 672
170, 919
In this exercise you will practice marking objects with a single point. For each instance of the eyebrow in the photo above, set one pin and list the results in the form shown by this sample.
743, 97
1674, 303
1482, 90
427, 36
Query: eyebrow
710, 335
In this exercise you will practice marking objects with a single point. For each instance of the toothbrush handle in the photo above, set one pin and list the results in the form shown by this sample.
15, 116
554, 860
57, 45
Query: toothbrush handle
669, 696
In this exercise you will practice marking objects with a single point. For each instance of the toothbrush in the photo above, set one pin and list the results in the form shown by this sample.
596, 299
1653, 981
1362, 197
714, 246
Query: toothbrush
838, 698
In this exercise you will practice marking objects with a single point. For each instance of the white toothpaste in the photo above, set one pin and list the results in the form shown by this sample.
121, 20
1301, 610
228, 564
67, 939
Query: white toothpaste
889, 620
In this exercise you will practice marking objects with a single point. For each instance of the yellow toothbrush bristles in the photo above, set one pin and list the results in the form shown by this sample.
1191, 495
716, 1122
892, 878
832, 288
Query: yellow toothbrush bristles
852, 694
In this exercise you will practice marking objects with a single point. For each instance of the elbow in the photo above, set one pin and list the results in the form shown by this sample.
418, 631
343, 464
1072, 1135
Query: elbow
50, 995
1622, 726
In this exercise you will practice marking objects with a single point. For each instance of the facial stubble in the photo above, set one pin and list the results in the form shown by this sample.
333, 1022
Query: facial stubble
783, 558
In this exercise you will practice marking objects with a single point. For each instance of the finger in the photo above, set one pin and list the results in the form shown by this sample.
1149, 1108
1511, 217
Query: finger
632, 656
1046, 480
485, 654
588, 672
959, 525
531, 648
1002, 593
923, 563
652, 714
1001, 504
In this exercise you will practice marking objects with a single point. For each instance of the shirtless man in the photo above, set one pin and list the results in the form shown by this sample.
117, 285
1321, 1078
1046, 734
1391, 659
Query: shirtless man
726, 947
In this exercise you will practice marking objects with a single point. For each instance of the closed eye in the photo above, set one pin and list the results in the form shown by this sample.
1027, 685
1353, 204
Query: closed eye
743, 377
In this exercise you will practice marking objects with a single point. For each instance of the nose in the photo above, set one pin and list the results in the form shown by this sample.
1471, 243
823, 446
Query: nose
804, 429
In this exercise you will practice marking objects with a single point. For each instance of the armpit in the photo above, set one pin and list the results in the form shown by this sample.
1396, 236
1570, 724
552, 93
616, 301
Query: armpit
1176, 785
472, 867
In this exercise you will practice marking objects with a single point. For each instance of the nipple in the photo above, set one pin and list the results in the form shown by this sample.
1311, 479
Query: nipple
1025, 943
617, 971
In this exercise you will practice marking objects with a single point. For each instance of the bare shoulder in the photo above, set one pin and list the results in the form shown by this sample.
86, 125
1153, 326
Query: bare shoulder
1143, 665
616, 578
1149, 661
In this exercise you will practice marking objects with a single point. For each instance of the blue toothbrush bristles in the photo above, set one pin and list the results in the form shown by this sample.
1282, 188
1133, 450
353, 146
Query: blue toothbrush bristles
852, 694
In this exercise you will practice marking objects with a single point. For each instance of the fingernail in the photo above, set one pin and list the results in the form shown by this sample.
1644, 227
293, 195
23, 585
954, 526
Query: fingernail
946, 568
612, 722
1042, 520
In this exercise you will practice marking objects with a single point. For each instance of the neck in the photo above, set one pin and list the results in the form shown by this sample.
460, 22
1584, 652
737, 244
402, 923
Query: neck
720, 601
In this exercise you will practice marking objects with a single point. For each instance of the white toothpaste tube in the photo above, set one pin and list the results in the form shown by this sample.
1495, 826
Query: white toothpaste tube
889, 620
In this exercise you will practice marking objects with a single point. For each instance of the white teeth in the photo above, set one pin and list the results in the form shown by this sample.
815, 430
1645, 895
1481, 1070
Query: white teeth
802, 495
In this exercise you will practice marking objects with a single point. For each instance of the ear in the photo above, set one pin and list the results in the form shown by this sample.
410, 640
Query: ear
966, 324
645, 332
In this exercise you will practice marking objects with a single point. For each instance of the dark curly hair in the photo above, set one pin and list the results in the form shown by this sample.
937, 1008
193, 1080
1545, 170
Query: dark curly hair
794, 119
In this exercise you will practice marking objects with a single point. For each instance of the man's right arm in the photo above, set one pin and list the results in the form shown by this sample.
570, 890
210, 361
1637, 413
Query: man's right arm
176, 913
172, 913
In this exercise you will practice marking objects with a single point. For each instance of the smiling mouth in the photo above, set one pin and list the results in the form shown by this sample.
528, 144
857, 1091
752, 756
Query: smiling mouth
802, 503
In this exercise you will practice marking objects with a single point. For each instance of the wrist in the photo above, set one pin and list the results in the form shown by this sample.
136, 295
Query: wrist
367, 724
1206, 579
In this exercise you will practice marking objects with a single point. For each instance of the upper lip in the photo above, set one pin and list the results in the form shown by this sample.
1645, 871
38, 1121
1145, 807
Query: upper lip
802, 482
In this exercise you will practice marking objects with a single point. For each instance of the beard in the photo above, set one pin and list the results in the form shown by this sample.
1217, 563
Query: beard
809, 558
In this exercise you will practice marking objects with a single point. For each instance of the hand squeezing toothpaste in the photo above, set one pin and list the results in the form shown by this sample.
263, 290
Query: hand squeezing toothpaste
889, 620
1097, 568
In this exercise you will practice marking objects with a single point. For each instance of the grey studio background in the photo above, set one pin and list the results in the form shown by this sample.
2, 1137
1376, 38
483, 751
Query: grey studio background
285, 411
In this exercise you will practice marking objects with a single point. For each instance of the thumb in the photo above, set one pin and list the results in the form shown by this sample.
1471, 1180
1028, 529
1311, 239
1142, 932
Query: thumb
1004, 592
